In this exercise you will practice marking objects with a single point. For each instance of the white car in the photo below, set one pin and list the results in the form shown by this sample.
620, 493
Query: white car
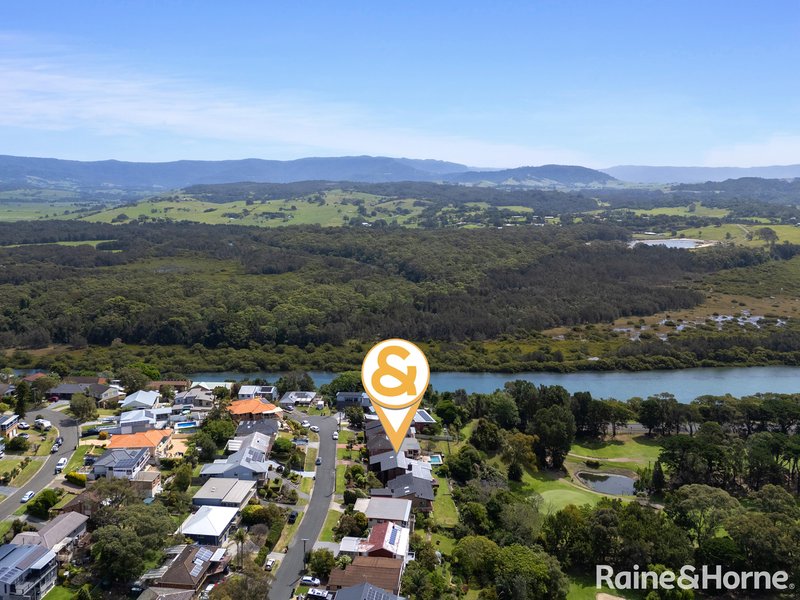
308, 580
336, 435
29, 494
316, 593
305, 424
23, 425
314, 428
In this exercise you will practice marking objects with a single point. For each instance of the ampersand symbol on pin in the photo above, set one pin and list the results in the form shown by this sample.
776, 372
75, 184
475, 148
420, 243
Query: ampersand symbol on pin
405, 379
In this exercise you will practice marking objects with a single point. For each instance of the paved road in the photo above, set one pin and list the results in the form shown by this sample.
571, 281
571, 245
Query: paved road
288, 576
42, 479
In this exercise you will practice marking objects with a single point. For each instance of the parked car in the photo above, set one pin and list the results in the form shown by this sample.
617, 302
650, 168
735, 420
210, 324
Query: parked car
316, 593
308, 580
288, 408
61, 464
59, 440
292, 517
23, 425
28, 495
318, 461
305, 423
55, 448
91, 431
336, 435
314, 428
24, 436
270, 564
89, 460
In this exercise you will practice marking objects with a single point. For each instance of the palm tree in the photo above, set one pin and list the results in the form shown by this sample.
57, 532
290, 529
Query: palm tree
240, 537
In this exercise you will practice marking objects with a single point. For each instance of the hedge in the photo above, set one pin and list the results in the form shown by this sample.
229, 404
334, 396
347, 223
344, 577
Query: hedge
76, 478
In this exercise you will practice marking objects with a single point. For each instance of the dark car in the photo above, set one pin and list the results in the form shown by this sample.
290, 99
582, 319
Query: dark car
292, 517
92, 431
288, 408
59, 440
89, 460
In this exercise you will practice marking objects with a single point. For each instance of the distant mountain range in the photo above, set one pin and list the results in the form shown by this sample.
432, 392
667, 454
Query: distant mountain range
644, 174
146, 178
18, 171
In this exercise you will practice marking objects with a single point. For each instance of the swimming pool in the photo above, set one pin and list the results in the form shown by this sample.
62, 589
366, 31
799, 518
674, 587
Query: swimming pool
185, 425
436, 459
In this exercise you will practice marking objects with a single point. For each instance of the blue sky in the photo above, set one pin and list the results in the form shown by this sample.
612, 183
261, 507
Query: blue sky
496, 84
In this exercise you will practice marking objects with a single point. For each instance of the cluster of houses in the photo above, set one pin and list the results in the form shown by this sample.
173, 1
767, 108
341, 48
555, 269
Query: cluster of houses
379, 559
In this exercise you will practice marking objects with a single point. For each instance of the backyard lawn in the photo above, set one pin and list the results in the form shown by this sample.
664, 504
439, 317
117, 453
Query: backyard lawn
76, 460
60, 593
444, 509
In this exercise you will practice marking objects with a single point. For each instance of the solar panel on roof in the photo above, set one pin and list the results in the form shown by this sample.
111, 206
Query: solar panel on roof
393, 536
203, 554
196, 570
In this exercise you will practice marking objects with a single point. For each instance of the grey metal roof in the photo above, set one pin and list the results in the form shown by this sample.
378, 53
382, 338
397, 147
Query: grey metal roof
225, 489
405, 485
121, 458
54, 532
364, 591
15, 560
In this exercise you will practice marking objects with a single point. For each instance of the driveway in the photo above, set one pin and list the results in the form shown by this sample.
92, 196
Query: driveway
42, 479
289, 573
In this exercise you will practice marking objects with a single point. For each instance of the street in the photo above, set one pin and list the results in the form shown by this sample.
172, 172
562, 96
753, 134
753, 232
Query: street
288, 576
42, 479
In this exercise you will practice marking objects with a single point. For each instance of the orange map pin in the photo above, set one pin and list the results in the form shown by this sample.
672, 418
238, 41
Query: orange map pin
395, 374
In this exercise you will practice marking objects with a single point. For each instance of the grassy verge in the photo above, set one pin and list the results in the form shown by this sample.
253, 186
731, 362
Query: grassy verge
5, 527
76, 460
311, 456
60, 593
326, 535
340, 482
65, 499
27, 473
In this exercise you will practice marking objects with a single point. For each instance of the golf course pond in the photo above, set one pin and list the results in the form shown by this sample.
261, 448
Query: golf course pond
608, 483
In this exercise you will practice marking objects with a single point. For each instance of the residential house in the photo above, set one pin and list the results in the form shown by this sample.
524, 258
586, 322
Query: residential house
362, 591
385, 510
374, 428
347, 399
27, 572
88, 380
101, 392
212, 385
7, 390
267, 392
157, 441
120, 463
142, 420
147, 484
197, 398
423, 421
61, 535
210, 524
225, 491
8, 426
85, 503
179, 385
383, 573
253, 410
268, 427
389, 465
249, 459
298, 399
65, 391
143, 399
162, 593
193, 567
33, 377
386, 540
419, 491
379, 444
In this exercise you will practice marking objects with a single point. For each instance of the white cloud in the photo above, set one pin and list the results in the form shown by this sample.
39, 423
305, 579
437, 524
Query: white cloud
43, 93
780, 149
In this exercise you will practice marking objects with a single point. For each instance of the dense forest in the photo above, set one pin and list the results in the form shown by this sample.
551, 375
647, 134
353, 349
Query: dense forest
268, 290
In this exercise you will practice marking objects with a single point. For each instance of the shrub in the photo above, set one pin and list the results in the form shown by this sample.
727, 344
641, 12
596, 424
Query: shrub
76, 478
103, 435
17, 444
592, 464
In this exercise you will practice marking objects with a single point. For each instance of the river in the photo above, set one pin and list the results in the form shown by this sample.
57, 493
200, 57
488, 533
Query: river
685, 384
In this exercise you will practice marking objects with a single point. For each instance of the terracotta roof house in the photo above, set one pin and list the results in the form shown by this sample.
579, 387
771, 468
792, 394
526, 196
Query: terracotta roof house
84, 379
253, 410
384, 573
33, 377
157, 441
387, 540
85, 503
